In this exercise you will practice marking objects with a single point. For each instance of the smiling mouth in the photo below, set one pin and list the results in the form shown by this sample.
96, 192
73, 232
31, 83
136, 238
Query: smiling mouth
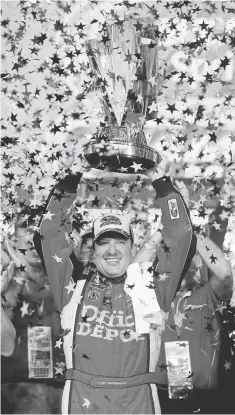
113, 261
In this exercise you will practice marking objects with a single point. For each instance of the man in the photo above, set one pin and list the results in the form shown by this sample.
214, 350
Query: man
8, 333
195, 316
104, 351
23, 282
27, 274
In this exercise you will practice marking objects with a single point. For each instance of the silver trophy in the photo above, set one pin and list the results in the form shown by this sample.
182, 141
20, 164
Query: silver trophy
124, 66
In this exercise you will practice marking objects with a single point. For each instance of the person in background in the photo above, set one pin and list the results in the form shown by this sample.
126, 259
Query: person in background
8, 332
23, 281
196, 316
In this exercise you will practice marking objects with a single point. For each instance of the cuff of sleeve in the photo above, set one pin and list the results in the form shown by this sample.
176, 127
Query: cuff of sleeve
69, 183
163, 186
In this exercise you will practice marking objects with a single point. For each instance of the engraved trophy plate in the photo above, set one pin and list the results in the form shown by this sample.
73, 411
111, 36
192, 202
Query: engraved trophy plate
116, 147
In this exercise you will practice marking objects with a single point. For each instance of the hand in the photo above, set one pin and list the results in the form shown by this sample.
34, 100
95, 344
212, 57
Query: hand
5, 260
183, 191
75, 160
159, 170
18, 260
7, 275
96, 174
70, 182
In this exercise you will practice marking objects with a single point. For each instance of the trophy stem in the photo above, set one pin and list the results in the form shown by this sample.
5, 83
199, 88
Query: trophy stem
146, 102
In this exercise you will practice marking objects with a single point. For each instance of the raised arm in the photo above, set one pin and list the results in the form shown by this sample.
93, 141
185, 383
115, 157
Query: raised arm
221, 280
50, 242
178, 242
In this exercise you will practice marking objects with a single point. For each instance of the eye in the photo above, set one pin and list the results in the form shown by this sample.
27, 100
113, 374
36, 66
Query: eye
101, 243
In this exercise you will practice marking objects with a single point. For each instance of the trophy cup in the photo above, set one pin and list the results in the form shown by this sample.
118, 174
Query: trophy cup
123, 66
118, 147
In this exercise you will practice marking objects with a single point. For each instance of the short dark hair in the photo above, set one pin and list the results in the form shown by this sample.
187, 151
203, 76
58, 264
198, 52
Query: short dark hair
25, 224
30, 214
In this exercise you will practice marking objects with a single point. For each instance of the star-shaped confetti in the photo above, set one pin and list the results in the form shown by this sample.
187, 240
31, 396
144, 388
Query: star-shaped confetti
58, 370
58, 343
136, 167
227, 365
48, 215
163, 277
58, 259
70, 287
24, 309
86, 403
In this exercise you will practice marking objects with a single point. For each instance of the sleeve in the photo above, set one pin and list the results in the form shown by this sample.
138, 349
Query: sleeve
205, 339
202, 297
194, 319
51, 243
179, 242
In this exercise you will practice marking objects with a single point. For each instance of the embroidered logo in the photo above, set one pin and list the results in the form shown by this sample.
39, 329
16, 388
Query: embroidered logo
110, 220
107, 301
93, 295
173, 209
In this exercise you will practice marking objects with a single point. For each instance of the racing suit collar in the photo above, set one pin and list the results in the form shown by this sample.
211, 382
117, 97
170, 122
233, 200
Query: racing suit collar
116, 280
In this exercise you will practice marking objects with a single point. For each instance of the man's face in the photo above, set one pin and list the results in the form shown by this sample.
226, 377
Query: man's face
112, 254
25, 241
86, 250
82, 246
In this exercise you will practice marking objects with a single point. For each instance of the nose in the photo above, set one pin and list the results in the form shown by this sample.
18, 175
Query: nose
112, 247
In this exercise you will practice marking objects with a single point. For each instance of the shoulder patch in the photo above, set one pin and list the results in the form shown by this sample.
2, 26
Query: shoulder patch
173, 209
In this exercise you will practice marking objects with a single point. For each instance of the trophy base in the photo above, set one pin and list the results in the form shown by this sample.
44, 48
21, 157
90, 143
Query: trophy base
122, 156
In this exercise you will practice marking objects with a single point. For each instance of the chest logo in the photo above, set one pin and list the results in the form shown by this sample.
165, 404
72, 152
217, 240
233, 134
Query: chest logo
93, 295
173, 209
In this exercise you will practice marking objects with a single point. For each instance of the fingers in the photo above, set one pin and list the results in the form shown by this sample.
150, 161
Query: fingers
76, 237
81, 193
178, 184
183, 190
181, 185
17, 261
159, 223
7, 276
164, 166
94, 174
5, 260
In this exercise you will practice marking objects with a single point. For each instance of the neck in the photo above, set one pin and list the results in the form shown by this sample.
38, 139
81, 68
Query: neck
113, 280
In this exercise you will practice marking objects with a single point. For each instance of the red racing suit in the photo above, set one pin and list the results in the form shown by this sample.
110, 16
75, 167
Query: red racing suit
100, 338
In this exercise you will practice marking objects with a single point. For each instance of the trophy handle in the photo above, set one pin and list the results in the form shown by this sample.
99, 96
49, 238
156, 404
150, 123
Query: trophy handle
109, 176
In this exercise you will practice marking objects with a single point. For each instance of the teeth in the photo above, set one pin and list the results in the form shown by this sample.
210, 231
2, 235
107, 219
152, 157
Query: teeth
112, 261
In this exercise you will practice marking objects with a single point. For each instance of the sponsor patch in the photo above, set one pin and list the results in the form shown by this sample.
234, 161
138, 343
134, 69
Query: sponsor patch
40, 358
179, 370
173, 209
107, 301
93, 295
110, 220
98, 283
